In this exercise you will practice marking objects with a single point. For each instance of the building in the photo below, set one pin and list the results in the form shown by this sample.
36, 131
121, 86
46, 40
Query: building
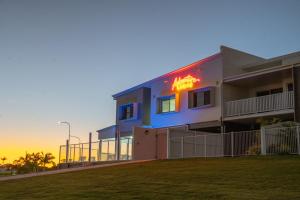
228, 91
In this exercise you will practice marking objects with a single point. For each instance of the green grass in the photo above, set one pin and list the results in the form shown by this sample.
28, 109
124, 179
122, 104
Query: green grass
224, 178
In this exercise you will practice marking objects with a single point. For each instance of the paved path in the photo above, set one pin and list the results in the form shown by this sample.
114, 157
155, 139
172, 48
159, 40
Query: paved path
60, 171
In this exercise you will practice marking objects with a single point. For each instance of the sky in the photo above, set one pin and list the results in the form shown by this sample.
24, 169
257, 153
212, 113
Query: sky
61, 60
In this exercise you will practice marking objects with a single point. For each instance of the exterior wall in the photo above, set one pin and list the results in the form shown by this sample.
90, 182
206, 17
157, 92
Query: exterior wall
149, 144
296, 76
210, 74
234, 60
141, 97
276, 84
232, 92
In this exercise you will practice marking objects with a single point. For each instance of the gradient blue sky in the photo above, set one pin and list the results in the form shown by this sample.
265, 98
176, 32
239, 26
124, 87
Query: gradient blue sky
62, 60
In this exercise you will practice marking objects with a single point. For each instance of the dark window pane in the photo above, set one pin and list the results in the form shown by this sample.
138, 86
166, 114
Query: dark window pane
194, 100
126, 111
206, 97
290, 87
262, 93
277, 90
200, 99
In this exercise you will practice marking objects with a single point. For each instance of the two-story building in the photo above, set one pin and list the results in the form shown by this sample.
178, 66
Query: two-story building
228, 91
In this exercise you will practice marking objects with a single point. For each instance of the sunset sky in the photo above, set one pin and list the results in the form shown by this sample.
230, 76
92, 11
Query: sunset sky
63, 59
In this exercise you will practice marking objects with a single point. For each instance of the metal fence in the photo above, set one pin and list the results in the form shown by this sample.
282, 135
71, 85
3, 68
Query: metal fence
103, 150
283, 140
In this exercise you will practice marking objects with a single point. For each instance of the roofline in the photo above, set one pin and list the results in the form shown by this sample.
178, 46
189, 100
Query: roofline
108, 127
256, 73
142, 85
277, 58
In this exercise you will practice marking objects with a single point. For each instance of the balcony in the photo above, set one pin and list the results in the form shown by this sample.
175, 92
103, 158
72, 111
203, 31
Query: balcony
262, 104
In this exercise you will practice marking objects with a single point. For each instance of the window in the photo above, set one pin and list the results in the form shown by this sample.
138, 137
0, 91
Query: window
290, 87
126, 111
276, 90
267, 92
262, 93
203, 97
166, 104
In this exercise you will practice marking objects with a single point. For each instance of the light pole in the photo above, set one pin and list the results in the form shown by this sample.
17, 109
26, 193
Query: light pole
68, 123
68, 142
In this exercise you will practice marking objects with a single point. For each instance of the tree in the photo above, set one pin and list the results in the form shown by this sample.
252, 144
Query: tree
33, 162
3, 159
46, 159
265, 122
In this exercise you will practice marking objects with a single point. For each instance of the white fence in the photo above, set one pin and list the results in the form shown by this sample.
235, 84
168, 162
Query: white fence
273, 102
284, 140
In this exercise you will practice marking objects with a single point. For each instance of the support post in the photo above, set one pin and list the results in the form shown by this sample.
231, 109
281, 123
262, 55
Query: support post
90, 146
298, 139
127, 148
205, 147
67, 151
79, 157
59, 154
182, 145
117, 143
263, 141
232, 144
100, 150
168, 143
82, 153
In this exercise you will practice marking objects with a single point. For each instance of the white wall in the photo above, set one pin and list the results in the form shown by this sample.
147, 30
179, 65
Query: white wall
210, 74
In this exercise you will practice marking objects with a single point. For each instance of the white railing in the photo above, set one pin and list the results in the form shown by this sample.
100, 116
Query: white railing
267, 141
273, 102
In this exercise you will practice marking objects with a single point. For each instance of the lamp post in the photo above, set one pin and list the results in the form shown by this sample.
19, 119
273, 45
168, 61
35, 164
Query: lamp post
68, 123
68, 142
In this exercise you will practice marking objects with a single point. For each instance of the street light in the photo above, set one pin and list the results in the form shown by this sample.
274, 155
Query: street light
68, 123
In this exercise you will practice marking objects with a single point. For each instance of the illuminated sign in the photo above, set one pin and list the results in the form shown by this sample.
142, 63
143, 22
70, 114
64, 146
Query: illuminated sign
184, 83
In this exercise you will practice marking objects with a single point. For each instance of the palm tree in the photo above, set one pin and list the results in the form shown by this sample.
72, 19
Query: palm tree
3, 159
46, 159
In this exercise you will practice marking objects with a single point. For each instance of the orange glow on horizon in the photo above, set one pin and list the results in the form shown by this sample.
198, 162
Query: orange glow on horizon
184, 83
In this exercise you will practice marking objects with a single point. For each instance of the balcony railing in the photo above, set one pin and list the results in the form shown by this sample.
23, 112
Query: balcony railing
254, 105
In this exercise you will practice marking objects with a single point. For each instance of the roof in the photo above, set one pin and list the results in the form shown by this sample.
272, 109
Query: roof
199, 62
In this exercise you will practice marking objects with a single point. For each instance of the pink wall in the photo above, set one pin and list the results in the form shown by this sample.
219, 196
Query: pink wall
149, 144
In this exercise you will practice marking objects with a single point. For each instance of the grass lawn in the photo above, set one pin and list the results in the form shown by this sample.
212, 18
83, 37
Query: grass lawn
216, 178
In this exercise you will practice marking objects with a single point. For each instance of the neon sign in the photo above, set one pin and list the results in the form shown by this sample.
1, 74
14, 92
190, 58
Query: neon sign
184, 83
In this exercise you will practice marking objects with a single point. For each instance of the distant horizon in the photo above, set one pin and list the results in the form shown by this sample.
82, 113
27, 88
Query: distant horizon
63, 60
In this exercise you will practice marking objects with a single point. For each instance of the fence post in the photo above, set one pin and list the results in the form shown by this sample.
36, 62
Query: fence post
90, 146
82, 152
100, 150
127, 149
298, 140
232, 144
182, 145
67, 151
79, 157
263, 141
168, 143
205, 146
59, 154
